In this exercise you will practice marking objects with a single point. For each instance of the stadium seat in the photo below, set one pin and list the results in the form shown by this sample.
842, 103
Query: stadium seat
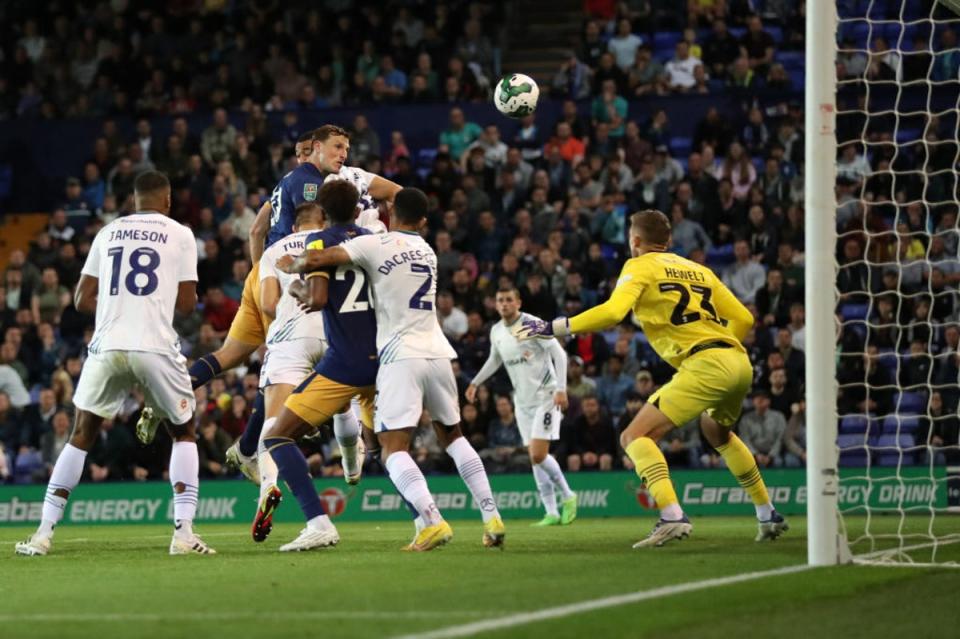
425, 157
797, 79
680, 146
853, 450
893, 424
911, 402
893, 450
854, 424
907, 135
722, 254
775, 32
791, 60
666, 40
851, 312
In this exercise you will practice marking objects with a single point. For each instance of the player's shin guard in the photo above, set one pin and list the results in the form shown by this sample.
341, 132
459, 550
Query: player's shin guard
269, 473
185, 479
474, 475
548, 494
412, 485
651, 466
251, 433
65, 477
294, 470
742, 464
203, 370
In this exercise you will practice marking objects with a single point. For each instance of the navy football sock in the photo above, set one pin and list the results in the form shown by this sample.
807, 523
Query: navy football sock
203, 370
251, 434
294, 470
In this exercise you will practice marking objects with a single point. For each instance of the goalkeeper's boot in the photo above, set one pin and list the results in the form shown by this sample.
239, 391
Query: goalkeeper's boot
312, 538
494, 533
568, 510
190, 545
37, 545
352, 475
147, 425
263, 521
246, 465
548, 520
431, 537
772, 528
666, 531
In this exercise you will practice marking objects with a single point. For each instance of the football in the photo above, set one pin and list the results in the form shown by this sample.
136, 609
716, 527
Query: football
516, 95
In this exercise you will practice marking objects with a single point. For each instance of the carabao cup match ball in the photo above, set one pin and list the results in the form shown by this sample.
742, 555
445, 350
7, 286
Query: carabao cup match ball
516, 95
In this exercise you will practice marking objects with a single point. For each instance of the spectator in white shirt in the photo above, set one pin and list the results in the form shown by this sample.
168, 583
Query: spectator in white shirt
453, 321
744, 277
241, 217
852, 165
624, 45
680, 69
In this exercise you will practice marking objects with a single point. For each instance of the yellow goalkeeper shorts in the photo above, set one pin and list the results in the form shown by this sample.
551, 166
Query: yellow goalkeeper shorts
715, 380
249, 324
319, 398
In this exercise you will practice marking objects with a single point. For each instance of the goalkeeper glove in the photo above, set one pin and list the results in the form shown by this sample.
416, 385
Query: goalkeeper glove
537, 328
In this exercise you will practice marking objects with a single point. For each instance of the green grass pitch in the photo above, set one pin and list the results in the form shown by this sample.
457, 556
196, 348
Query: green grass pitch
118, 581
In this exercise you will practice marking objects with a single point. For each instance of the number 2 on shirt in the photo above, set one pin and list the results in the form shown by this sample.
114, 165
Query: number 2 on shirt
418, 302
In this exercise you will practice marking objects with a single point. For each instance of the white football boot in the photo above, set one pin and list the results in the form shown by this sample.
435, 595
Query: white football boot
147, 425
246, 465
310, 538
37, 545
191, 545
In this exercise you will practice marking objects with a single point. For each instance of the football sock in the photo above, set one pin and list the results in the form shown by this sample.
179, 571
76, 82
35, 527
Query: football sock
474, 475
547, 493
410, 482
251, 434
185, 479
203, 370
651, 466
346, 428
65, 477
269, 474
742, 464
552, 468
417, 519
294, 470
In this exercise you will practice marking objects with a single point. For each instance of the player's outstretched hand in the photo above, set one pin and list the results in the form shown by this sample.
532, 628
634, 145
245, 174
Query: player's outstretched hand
471, 393
530, 328
285, 263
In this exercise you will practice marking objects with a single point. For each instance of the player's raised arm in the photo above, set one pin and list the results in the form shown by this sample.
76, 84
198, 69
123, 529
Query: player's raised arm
313, 260
383, 189
610, 313
739, 318
258, 231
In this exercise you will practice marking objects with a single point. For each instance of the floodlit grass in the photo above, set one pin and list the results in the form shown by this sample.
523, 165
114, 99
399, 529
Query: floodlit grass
118, 581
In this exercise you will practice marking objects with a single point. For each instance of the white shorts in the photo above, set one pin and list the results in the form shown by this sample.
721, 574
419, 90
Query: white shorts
291, 362
407, 386
107, 379
540, 421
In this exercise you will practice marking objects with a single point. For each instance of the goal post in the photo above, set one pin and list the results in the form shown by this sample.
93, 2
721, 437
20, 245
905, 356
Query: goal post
820, 144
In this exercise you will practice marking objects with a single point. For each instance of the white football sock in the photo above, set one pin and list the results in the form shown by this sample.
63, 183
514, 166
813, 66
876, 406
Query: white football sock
320, 522
552, 468
764, 511
66, 475
474, 475
185, 472
547, 494
673, 512
346, 428
409, 480
269, 473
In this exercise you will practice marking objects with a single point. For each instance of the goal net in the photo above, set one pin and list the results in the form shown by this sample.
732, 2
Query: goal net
897, 273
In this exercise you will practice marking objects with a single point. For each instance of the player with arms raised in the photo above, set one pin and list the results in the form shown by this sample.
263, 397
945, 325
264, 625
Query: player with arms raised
140, 269
695, 324
538, 372
415, 370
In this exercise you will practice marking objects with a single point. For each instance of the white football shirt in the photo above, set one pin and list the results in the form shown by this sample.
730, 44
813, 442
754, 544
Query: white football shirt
139, 261
360, 179
291, 322
531, 364
402, 269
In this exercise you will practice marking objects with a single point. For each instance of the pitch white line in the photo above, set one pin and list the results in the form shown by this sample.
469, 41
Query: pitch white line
519, 619
128, 617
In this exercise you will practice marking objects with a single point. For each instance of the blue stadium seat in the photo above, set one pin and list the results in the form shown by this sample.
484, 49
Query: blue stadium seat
425, 157
911, 403
791, 60
893, 424
680, 146
893, 450
851, 312
722, 254
853, 450
854, 424
909, 135
775, 32
797, 79
738, 32
666, 40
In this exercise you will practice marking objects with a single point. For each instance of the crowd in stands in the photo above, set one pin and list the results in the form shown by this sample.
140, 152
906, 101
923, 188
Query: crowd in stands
543, 206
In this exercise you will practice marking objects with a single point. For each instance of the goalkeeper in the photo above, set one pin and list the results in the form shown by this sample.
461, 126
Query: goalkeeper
696, 324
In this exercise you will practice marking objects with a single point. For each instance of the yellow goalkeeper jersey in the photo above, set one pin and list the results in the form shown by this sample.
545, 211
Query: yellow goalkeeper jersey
678, 303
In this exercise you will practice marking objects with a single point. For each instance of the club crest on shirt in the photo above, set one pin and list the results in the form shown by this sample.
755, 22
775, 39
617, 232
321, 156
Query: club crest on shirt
310, 191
